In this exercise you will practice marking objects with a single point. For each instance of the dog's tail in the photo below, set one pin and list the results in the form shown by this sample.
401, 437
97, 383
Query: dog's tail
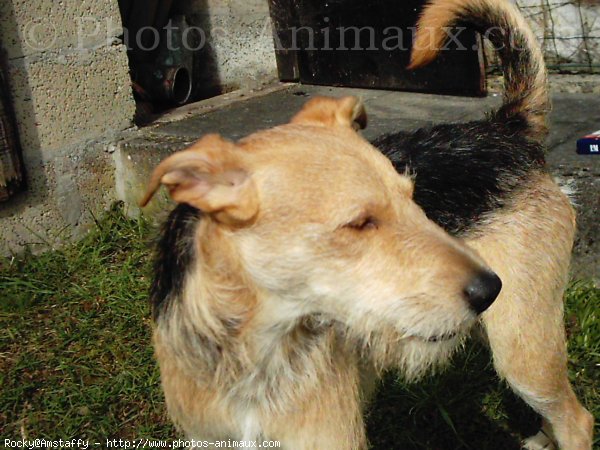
525, 82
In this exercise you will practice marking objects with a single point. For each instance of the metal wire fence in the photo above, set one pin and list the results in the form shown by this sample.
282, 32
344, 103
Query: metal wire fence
569, 32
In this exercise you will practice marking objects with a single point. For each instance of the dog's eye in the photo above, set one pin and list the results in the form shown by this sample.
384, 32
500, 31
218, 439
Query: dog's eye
363, 223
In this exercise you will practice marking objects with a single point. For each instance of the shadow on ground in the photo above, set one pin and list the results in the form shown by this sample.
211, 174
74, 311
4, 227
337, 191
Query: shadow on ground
465, 407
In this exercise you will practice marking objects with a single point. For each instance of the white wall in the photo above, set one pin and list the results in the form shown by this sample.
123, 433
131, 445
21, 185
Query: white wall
568, 23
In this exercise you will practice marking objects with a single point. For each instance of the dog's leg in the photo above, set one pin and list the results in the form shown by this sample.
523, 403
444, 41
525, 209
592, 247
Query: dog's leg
530, 247
544, 439
532, 359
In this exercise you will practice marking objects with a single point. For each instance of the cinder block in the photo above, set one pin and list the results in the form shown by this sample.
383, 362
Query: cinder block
28, 27
65, 98
64, 192
240, 39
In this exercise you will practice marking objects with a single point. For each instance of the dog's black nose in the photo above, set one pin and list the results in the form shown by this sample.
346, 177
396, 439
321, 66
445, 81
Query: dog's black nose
482, 291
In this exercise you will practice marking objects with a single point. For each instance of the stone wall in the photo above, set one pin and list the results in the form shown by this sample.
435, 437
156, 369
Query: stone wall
69, 82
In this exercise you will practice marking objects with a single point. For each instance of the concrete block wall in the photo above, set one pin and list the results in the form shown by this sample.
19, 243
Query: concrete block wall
239, 41
69, 81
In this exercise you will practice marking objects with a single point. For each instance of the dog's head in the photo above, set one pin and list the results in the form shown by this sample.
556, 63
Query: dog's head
321, 222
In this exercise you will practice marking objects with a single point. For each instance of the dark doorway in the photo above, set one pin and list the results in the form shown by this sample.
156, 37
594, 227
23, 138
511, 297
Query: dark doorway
167, 56
354, 43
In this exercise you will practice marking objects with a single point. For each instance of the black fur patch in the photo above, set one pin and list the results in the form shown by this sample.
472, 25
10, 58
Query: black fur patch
174, 257
464, 171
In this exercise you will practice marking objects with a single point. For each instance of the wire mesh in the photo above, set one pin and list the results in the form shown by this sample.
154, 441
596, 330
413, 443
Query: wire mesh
569, 32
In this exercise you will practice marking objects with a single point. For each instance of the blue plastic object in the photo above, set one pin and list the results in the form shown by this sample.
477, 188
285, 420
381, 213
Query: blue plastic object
589, 145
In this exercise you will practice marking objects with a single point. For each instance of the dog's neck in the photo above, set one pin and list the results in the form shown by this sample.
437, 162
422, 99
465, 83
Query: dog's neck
223, 326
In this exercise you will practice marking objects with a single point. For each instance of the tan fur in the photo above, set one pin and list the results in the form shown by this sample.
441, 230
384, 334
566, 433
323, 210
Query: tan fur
277, 311
297, 306
525, 79
206, 176
529, 247
314, 269
325, 111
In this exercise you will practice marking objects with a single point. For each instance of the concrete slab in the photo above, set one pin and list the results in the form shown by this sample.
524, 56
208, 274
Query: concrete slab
573, 116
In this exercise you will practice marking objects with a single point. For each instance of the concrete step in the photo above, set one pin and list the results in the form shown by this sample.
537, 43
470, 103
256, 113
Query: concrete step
239, 114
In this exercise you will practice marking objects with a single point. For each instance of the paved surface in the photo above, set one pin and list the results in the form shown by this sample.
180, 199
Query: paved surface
574, 115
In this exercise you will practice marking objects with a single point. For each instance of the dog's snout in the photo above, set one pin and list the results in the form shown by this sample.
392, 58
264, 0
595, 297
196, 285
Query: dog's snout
483, 290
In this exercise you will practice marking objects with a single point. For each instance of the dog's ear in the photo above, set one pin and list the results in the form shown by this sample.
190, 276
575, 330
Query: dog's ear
327, 111
208, 176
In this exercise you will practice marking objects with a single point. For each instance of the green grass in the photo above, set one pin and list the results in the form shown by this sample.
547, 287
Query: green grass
76, 359
75, 356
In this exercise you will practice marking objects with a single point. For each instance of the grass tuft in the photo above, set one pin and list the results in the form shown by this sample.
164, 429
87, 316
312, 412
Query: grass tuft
76, 359
75, 354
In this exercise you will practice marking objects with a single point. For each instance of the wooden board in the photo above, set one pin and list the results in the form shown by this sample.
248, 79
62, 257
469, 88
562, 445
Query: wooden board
354, 43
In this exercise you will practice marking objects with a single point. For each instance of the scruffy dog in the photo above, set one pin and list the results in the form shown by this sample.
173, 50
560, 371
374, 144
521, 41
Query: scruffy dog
300, 260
